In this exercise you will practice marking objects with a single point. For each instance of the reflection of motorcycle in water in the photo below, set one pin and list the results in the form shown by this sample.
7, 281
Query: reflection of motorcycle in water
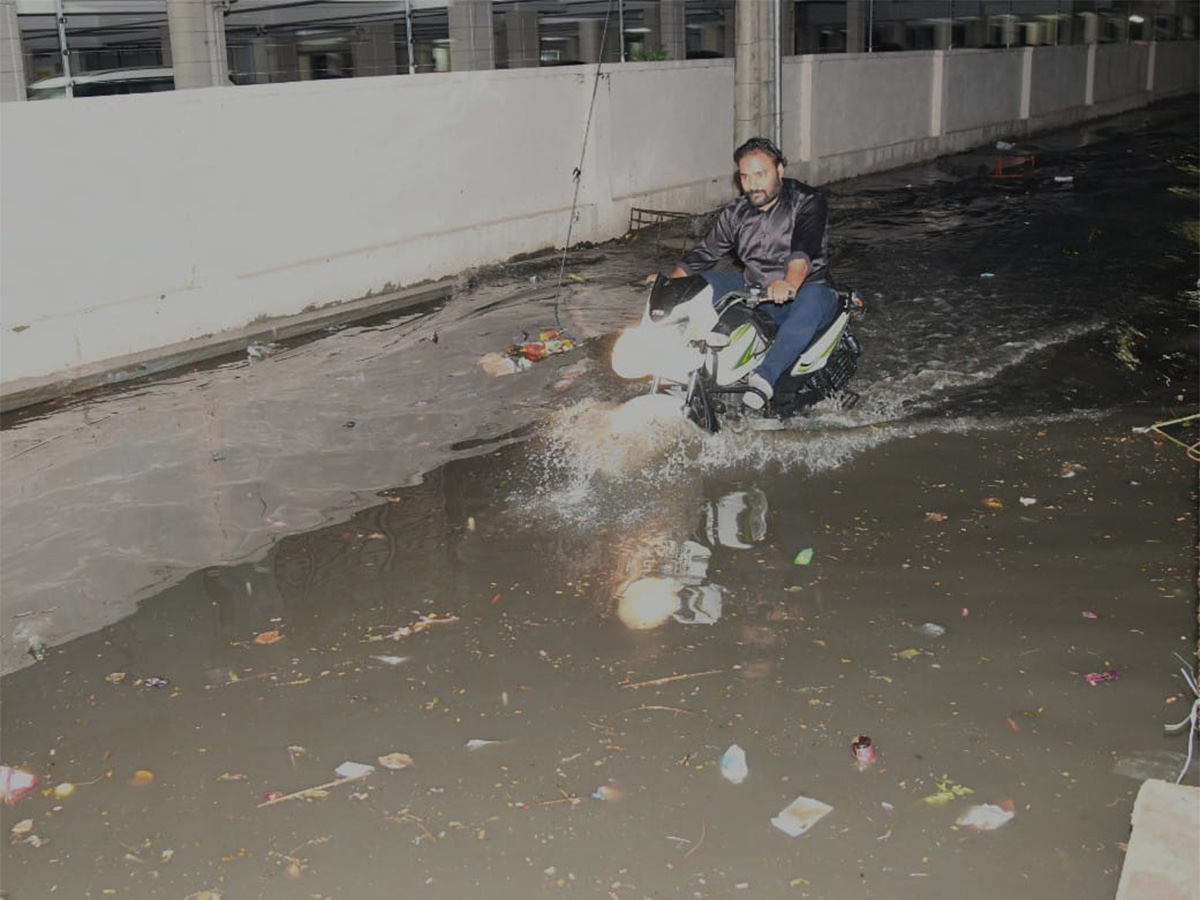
666, 579
701, 352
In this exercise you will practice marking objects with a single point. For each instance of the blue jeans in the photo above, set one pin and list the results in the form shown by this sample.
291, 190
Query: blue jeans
799, 320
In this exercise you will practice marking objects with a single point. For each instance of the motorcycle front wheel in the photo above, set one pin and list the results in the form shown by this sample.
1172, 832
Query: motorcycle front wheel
698, 407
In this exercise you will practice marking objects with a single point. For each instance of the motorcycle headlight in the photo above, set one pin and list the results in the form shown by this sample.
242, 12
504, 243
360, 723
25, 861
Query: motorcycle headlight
633, 352
661, 350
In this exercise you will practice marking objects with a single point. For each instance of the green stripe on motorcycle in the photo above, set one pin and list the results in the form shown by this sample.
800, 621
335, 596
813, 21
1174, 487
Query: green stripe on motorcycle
749, 353
801, 368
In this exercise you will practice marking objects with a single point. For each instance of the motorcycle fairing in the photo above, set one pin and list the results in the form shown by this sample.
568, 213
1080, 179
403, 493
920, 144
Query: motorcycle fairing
745, 335
818, 352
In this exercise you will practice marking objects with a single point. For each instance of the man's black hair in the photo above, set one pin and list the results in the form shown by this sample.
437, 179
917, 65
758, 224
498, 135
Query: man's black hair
760, 145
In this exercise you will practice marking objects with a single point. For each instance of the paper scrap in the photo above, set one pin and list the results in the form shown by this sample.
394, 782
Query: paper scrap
800, 815
987, 817
353, 770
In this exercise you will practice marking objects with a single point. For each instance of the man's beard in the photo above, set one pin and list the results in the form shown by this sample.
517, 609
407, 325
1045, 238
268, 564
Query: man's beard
762, 198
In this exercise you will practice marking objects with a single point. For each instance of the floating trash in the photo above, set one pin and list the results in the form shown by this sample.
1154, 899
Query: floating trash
733, 764
864, 752
396, 761
800, 815
15, 784
353, 770
987, 817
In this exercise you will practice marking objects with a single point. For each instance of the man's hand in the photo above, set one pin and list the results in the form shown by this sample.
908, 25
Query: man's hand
780, 291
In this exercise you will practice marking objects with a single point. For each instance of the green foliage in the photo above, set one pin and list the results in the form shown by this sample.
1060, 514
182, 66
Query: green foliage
648, 54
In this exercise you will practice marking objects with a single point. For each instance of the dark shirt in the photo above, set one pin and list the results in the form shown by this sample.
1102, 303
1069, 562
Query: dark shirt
765, 242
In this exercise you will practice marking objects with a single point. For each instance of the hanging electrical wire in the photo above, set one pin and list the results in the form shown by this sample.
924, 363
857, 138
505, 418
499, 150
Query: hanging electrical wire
577, 174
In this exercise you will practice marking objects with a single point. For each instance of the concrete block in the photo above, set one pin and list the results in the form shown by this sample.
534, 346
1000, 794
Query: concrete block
1163, 862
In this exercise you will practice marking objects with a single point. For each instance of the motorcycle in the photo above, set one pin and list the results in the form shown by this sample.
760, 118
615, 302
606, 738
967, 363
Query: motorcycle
701, 353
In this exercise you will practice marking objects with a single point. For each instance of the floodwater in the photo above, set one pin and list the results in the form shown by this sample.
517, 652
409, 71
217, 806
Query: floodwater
364, 546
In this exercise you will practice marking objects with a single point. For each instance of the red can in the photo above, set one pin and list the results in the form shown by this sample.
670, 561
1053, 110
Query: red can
864, 751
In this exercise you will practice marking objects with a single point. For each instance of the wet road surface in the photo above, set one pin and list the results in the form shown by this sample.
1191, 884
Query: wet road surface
367, 551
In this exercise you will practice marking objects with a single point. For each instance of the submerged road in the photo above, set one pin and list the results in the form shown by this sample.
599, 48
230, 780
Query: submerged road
249, 574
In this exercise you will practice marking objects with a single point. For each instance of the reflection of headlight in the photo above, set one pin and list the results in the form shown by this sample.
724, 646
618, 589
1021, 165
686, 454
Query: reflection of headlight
654, 350
648, 602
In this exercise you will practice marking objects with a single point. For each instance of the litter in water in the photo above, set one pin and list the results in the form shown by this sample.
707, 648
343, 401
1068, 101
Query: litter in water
987, 817
257, 351
733, 764
396, 761
804, 557
607, 792
800, 815
864, 752
1095, 678
518, 357
479, 744
15, 784
353, 770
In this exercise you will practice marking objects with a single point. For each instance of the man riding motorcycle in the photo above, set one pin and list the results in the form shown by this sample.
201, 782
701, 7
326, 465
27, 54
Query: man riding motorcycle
777, 229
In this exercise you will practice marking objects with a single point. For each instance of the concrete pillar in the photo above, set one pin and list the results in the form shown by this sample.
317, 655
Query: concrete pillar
258, 62
523, 50
672, 28
401, 48
589, 40
1091, 27
943, 34
1089, 92
593, 41
198, 43
1009, 33
856, 26
472, 42
375, 50
12, 59
651, 38
752, 73
787, 27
